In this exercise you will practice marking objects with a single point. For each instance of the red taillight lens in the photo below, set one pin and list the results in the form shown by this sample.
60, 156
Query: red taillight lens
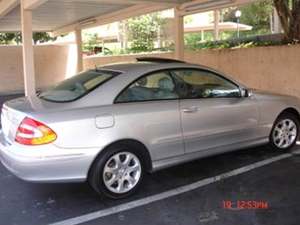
32, 132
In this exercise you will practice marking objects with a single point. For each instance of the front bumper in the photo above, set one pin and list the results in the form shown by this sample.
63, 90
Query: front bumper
46, 163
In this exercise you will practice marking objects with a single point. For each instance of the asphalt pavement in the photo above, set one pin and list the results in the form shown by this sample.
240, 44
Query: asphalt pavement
274, 190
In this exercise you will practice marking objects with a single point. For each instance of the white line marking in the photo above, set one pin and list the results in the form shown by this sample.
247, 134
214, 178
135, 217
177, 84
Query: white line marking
296, 152
157, 197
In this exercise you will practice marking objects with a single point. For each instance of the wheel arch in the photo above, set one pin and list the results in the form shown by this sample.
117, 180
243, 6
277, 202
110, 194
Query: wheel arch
144, 152
290, 110
293, 112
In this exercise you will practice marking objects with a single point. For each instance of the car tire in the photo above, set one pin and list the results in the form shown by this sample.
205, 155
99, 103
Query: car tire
285, 132
114, 177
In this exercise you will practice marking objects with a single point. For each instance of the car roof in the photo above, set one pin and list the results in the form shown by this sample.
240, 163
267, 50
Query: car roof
146, 64
137, 66
130, 72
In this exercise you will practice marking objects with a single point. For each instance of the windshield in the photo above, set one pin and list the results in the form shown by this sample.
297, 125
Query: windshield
77, 86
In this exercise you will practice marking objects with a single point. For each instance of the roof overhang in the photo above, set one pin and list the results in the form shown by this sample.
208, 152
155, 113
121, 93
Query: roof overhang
64, 16
198, 6
223, 26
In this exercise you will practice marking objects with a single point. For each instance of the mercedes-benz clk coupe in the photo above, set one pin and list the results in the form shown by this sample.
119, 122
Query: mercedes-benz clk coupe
111, 125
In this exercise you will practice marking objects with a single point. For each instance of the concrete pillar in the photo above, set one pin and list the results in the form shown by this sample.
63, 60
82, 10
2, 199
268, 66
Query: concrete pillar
78, 37
276, 23
28, 53
216, 24
123, 35
179, 35
159, 42
103, 46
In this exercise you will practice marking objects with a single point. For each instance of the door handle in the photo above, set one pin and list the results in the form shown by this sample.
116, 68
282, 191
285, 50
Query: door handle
192, 109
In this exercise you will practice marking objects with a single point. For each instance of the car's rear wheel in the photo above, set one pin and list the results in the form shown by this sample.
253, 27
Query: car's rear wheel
285, 132
117, 173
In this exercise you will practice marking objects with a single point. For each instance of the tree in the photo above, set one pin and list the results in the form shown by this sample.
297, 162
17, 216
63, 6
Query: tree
90, 42
289, 14
6, 38
16, 38
256, 14
143, 31
42, 37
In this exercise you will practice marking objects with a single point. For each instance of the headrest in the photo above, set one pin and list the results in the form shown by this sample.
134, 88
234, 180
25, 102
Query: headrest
166, 84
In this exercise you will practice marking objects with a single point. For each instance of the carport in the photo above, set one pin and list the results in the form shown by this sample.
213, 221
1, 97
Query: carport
206, 191
64, 16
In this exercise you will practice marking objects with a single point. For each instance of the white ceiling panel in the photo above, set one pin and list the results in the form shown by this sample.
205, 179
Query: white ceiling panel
54, 14
57, 13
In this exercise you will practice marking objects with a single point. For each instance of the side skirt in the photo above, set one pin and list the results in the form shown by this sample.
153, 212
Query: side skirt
187, 157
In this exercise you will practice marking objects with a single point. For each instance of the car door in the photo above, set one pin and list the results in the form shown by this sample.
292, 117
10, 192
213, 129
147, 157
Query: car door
149, 109
213, 112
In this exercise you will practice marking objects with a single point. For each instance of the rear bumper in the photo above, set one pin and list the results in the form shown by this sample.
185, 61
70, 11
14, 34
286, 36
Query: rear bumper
47, 163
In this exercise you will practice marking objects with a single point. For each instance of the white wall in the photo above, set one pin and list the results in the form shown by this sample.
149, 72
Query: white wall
274, 68
51, 64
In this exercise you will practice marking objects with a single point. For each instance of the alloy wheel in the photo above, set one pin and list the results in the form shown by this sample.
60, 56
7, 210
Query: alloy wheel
122, 172
284, 133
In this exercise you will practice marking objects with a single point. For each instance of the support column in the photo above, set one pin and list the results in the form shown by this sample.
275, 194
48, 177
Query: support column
179, 35
202, 36
103, 46
28, 53
216, 24
159, 42
277, 29
78, 37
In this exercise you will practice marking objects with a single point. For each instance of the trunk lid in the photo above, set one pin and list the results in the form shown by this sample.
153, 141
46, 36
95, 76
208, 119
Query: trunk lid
10, 121
14, 111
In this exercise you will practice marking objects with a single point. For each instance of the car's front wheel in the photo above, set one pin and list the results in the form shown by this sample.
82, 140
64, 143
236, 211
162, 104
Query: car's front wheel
117, 173
285, 132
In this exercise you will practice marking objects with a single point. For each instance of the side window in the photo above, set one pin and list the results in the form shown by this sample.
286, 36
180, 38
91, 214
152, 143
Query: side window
204, 84
157, 86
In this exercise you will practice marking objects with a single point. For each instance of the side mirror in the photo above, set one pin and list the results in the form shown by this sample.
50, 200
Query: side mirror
245, 93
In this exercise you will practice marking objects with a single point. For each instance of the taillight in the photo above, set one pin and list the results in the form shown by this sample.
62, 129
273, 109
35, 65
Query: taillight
32, 132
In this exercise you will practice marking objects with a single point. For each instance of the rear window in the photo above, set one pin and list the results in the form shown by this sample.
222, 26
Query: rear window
77, 86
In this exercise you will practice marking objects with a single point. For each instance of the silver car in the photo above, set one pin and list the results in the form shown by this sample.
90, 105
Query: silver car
111, 125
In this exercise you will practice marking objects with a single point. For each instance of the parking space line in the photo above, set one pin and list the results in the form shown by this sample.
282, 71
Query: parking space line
157, 197
296, 152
